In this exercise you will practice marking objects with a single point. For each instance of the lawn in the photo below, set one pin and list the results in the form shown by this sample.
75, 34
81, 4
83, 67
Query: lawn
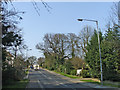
91, 81
104, 83
67, 75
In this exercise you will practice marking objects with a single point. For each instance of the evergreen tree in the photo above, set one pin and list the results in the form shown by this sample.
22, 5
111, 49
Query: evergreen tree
92, 56
110, 55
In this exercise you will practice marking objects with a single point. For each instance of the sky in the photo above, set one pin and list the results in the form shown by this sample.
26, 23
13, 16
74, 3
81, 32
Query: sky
61, 19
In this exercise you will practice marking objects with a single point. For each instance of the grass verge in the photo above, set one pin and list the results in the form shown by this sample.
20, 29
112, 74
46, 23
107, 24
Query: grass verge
104, 83
67, 75
27, 72
17, 84
91, 81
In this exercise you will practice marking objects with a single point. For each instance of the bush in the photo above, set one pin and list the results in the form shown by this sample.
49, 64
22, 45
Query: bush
19, 74
68, 67
73, 72
12, 73
8, 73
85, 74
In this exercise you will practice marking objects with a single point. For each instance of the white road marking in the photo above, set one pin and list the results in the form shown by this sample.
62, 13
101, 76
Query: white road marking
41, 86
57, 81
43, 74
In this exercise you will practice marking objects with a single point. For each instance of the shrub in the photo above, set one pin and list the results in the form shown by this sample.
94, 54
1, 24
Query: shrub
8, 73
19, 74
73, 72
85, 74
63, 69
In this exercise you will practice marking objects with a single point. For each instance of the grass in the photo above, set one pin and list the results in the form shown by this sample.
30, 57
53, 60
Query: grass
91, 81
111, 84
67, 75
17, 84
104, 83
27, 72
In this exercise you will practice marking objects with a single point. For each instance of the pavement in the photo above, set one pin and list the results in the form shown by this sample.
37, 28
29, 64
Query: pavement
46, 79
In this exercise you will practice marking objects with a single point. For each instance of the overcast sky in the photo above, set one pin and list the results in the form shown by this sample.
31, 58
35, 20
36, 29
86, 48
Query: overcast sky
61, 19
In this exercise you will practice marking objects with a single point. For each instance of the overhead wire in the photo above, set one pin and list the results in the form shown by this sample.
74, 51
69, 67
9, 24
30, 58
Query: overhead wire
46, 6
35, 7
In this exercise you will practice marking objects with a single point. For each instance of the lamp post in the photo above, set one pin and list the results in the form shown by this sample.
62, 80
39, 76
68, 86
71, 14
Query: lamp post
98, 44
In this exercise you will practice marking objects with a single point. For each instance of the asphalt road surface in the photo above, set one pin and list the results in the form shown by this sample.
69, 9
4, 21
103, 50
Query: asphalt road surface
44, 80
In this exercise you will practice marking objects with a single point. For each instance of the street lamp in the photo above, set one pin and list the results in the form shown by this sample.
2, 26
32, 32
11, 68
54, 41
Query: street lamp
98, 44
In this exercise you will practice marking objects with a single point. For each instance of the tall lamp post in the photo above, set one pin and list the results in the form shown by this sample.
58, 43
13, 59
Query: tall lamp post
98, 44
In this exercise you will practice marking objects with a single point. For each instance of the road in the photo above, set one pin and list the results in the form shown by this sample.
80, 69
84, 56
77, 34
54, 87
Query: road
45, 80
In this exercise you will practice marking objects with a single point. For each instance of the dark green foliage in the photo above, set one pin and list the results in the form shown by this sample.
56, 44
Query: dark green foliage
11, 40
68, 67
109, 58
12, 73
110, 48
85, 74
7, 73
73, 72
92, 56
110, 55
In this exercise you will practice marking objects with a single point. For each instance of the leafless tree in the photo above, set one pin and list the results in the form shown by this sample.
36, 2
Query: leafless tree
54, 44
114, 16
84, 38
72, 44
78, 63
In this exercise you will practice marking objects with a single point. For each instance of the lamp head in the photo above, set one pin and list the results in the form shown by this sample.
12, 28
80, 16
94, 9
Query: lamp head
80, 19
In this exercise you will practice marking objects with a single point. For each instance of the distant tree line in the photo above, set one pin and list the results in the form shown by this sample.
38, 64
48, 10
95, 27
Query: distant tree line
65, 52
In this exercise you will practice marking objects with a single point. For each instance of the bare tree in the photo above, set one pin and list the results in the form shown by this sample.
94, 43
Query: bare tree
78, 63
114, 16
54, 44
40, 60
84, 38
72, 44
32, 60
34, 3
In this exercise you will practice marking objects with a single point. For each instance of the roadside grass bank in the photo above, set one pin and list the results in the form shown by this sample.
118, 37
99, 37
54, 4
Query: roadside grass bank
67, 75
61, 73
16, 84
105, 83
27, 72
